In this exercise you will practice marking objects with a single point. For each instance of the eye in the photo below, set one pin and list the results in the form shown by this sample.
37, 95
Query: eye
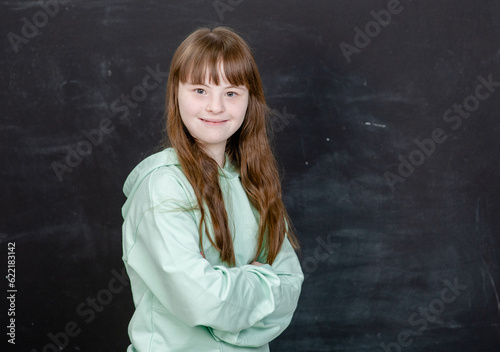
200, 91
231, 94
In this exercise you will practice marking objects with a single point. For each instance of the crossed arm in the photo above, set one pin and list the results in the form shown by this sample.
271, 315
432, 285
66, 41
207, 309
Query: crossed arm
248, 305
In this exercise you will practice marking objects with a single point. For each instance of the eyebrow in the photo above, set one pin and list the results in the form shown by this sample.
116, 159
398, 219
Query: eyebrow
226, 87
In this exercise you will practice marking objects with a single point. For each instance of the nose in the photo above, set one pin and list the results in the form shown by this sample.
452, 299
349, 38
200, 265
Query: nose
215, 104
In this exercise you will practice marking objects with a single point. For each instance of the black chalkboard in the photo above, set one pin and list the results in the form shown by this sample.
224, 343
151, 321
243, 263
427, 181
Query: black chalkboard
385, 127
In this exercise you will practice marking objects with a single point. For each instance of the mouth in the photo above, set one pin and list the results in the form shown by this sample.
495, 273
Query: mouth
213, 122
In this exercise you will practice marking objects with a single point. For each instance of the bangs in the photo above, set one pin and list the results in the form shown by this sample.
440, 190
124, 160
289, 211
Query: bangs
215, 58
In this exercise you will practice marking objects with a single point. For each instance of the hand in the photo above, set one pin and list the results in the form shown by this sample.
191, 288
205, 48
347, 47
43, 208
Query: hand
257, 263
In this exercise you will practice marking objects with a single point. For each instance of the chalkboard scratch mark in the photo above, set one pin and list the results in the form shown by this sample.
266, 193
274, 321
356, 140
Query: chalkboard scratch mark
496, 293
478, 214
21, 6
494, 289
385, 97
419, 45
493, 285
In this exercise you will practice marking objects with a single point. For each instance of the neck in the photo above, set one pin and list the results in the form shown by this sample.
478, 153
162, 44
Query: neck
217, 153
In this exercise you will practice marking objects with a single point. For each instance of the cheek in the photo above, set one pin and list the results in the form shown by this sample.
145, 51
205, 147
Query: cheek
242, 110
186, 108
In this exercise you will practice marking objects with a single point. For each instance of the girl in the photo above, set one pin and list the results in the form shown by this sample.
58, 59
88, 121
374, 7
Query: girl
207, 242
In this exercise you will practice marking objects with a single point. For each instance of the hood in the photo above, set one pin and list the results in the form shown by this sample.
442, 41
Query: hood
164, 158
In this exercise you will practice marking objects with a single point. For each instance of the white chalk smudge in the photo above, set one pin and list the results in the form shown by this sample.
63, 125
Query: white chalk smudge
375, 124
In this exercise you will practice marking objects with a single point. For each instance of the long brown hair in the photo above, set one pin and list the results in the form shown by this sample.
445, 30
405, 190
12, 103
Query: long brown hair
201, 53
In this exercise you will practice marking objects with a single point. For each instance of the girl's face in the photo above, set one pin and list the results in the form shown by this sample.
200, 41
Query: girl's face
212, 113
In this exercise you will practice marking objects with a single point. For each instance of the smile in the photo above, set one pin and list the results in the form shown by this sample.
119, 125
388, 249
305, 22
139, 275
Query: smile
213, 122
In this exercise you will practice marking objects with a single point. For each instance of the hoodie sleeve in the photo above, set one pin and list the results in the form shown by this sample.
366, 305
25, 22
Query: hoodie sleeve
287, 267
164, 253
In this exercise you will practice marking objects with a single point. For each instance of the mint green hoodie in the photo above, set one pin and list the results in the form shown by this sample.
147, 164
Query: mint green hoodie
183, 301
